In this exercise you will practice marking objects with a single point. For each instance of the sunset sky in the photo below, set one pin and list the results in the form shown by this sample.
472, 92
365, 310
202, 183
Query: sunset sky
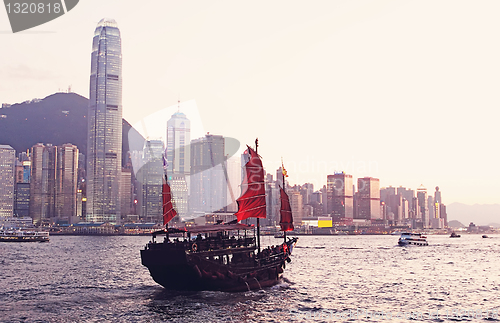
405, 91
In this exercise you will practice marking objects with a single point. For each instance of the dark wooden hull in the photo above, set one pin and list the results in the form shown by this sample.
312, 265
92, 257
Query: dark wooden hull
186, 278
179, 269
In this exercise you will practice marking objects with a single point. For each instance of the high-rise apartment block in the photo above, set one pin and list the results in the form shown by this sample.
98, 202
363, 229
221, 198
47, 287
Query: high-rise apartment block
7, 178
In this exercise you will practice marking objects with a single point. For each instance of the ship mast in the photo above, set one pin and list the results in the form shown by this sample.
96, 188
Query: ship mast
163, 202
284, 189
258, 220
286, 219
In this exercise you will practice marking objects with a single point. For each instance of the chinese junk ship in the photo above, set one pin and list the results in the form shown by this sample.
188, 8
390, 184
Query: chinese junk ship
224, 256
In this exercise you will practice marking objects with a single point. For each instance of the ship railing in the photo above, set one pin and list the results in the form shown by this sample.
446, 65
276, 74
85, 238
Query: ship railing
218, 243
197, 245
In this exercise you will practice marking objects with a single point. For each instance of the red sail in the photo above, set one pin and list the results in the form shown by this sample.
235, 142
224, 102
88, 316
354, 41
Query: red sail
286, 219
168, 208
252, 203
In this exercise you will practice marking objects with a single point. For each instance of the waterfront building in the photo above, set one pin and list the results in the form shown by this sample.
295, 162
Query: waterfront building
438, 214
18, 172
279, 176
104, 147
178, 186
151, 177
179, 160
430, 207
234, 181
405, 209
386, 192
324, 200
437, 196
340, 197
22, 200
23, 168
383, 210
408, 195
7, 180
423, 213
368, 206
208, 192
272, 202
317, 197
126, 192
306, 191
178, 139
443, 215
391, 204
66, 183
54, 183
296, 205
42, 183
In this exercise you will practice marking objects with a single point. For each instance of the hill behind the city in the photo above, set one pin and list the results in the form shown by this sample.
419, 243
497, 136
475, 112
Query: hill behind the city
480, 214
57, 119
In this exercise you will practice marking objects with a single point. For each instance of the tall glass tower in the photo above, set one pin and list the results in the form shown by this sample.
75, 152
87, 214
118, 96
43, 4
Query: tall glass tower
179, 161
104, 145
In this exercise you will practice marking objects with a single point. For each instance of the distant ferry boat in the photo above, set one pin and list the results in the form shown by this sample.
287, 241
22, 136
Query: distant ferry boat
12, 235
414, 239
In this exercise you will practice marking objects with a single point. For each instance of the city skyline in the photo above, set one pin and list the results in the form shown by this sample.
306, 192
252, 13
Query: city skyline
372, 94
397, 212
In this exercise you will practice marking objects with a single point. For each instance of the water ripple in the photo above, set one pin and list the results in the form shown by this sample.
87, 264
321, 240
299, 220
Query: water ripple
95, 279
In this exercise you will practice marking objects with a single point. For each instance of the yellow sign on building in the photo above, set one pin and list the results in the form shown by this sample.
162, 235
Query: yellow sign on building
324, 222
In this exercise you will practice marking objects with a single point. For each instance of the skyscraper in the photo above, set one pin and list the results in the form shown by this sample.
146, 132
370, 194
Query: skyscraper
340, 197
42, 184
104, 145
179, 160
208, 179
234, 182
178, 139
7, 167
423, 213
66, 182
369, 199
151, 177
53, 185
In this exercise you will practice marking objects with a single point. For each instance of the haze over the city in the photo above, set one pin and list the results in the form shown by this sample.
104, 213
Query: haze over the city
403, 91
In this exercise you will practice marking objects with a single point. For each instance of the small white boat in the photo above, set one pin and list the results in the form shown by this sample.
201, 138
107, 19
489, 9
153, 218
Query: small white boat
413, 239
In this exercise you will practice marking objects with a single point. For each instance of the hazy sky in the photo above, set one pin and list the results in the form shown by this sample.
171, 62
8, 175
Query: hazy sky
405, 91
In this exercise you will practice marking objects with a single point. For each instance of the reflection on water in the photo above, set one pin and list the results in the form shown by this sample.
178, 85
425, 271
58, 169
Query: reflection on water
102, 279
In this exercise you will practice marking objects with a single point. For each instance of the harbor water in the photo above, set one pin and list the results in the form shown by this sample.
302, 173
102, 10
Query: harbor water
330, 279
